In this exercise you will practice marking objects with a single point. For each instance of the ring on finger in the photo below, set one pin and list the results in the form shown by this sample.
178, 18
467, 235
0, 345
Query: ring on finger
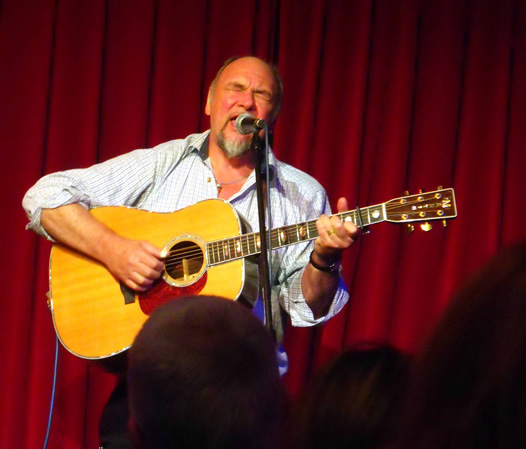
331, 231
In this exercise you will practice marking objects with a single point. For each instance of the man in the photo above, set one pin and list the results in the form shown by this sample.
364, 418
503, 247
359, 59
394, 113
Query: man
202, 374
218, 163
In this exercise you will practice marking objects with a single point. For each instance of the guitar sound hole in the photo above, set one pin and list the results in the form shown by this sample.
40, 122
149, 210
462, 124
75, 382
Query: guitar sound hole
184, 262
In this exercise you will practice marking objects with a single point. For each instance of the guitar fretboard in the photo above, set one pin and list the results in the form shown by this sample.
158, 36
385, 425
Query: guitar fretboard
226, 250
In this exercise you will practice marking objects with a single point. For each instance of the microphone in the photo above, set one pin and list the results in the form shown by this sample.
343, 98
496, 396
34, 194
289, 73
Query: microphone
246, 124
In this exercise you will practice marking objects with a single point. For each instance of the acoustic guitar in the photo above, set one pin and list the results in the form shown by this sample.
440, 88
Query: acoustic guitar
95, 316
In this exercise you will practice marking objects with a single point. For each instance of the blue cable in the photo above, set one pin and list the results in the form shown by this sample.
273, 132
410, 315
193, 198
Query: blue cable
52, 402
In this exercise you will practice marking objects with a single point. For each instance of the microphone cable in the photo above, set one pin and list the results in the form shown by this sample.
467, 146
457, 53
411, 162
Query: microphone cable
53, 389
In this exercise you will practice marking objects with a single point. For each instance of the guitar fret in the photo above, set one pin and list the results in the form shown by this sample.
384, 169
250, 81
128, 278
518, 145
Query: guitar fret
251, 244
231, 248
246, 245
283, 236
209, 255
291, 235
346, 216
237, 246
274, 238
225, 250
212, 254
215, 252
440, 203
219, 251
299, 229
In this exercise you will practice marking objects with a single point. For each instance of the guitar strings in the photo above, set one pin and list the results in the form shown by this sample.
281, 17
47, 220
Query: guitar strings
174, 254
175, 257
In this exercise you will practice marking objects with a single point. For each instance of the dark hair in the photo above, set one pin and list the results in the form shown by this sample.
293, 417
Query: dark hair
202, 375
353, 402
470, 382
275, 72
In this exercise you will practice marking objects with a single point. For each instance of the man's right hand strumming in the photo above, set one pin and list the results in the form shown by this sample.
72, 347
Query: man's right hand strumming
135, 263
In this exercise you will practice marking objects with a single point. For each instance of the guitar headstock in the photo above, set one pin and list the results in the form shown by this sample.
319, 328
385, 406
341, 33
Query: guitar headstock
436, 205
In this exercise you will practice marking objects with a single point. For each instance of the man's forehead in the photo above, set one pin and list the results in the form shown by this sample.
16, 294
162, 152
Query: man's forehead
248, 69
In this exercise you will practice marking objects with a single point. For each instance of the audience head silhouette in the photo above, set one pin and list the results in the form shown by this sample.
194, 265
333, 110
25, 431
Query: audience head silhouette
202, 375
470, 382
353, 402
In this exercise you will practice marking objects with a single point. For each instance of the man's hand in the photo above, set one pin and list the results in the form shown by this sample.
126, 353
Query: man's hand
320, 279
136, 263
334, 236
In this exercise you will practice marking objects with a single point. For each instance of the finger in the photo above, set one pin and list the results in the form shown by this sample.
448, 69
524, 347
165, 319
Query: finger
153, 250
153, 264
141, 280
151, 256
147, 275
349, 228
343, 228
342, 205
352, 230
134, 286
340, 228
325, 227
151, 273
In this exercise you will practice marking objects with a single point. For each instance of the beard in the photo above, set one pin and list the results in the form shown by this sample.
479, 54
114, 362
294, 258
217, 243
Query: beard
232, 148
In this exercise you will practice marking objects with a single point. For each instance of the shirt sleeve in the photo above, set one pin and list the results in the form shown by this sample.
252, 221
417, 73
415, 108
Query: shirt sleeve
294, 262
118, 181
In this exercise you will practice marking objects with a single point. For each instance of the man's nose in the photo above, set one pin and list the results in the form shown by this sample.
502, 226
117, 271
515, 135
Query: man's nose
247, 100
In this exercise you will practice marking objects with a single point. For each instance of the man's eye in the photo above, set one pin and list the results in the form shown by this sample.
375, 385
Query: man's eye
267, 96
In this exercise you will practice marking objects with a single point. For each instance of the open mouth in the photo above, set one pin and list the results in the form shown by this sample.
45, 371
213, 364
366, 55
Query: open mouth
233, 119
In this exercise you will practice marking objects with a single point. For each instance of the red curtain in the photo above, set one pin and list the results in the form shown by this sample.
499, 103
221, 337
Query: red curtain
381, 96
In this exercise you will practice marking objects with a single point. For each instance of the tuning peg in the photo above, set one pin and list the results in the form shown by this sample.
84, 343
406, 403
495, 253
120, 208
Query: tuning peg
444, 223
410, 228
426, 226
439, 188
406, 192
420, 191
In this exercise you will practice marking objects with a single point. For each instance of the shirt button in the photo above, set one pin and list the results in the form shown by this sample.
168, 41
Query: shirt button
209, 179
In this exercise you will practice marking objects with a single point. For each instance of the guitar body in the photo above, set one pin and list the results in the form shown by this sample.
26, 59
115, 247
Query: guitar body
95, 317
204, 253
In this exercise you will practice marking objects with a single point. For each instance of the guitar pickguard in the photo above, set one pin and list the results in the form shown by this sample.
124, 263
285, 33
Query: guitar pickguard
162, 292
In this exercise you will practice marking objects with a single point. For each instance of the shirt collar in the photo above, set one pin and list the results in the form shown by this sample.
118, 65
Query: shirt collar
199, 145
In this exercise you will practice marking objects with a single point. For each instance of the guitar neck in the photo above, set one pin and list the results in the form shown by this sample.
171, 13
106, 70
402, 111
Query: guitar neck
226, 250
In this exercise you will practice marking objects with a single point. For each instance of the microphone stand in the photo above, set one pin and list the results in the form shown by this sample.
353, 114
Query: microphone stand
264, 272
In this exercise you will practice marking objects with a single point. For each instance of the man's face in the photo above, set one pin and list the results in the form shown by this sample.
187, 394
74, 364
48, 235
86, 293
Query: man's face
247, 85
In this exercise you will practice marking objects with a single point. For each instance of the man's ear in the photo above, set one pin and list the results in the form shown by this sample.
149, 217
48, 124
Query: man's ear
208, 100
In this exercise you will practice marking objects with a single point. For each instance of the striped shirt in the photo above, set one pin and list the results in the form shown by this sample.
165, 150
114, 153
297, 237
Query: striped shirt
177, 174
